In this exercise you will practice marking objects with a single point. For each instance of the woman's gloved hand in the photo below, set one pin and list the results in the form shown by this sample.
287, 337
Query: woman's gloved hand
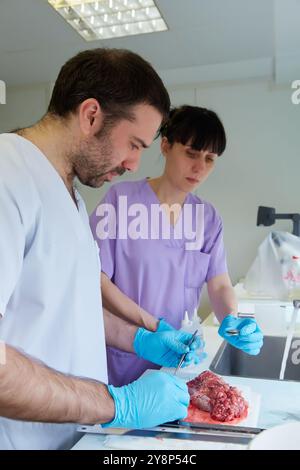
250, 338
164, 326
165, 348
153, 399
190, 357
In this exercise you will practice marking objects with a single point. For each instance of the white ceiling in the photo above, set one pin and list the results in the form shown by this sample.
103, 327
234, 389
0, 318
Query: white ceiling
35, 41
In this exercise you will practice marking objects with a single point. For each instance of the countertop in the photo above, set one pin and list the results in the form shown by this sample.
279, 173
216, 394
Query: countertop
280, 400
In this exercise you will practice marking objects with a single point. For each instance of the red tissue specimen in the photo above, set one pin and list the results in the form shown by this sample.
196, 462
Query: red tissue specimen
213, 400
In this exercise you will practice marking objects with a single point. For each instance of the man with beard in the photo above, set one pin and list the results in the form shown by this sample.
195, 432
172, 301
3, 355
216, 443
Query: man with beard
106, 107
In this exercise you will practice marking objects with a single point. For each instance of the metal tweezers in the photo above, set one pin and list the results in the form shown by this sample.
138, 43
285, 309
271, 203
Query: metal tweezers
235, 332
185, 354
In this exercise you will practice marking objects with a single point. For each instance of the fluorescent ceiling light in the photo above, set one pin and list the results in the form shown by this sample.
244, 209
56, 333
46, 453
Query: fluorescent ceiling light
104, 19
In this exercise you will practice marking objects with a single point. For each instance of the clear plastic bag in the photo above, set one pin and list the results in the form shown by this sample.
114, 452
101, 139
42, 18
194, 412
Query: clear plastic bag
276, 269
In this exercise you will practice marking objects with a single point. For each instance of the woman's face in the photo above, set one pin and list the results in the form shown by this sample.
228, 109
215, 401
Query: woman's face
186, 168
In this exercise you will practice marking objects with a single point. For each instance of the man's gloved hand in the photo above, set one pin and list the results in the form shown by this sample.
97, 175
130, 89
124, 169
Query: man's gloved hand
250, 339
165, 348
153, 399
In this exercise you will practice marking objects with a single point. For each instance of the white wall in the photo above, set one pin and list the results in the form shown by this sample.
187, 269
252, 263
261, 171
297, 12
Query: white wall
24, 106
261, 165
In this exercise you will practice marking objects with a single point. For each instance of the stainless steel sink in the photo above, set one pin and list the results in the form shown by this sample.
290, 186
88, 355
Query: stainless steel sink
232, 361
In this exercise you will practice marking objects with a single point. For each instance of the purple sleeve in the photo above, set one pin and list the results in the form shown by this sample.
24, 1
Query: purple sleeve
106, 245
217, 263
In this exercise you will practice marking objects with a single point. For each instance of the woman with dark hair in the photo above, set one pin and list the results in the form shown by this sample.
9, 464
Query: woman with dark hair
156, 272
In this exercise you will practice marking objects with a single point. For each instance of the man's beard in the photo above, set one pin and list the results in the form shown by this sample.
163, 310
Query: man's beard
94, 160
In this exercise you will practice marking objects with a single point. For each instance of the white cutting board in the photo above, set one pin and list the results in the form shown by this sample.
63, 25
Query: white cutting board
253, 398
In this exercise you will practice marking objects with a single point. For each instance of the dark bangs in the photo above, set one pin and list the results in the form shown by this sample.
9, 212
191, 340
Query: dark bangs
198, 127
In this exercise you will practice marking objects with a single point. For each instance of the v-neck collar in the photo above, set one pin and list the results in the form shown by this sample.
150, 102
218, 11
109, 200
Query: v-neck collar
51, 168
155, 198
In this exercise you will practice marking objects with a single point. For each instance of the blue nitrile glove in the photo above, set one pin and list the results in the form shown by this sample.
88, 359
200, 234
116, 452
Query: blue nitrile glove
164, 326
196, 358
153, 399
165, 348
250, 339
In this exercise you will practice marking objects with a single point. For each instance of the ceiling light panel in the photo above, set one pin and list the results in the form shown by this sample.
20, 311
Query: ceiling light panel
104, 19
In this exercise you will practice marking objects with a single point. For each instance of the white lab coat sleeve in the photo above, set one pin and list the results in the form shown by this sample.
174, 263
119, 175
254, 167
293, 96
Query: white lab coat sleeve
12, 243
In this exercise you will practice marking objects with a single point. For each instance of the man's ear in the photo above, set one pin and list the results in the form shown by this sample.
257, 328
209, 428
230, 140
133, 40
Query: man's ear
164, 146
90, 117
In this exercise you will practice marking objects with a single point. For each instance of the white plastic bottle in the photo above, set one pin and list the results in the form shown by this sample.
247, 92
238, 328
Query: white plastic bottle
196, 325
190, 326
293, 278
186, 324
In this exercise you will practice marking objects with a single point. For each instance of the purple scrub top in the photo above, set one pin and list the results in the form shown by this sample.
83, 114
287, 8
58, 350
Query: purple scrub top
160, 275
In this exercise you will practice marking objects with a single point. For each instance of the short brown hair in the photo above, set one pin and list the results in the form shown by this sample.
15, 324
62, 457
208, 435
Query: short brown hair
117, 78
200, 126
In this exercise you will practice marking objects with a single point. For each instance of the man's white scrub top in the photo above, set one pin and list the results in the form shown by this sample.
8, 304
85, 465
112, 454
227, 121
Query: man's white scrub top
50, 297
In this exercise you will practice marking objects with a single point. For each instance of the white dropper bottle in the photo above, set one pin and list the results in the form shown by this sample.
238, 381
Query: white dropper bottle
186, 324
196, 325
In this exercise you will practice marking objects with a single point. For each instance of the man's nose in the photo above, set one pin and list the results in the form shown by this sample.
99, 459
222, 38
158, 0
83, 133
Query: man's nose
132, 162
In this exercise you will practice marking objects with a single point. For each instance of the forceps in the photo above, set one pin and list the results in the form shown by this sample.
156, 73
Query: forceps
185, 354
234, 331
